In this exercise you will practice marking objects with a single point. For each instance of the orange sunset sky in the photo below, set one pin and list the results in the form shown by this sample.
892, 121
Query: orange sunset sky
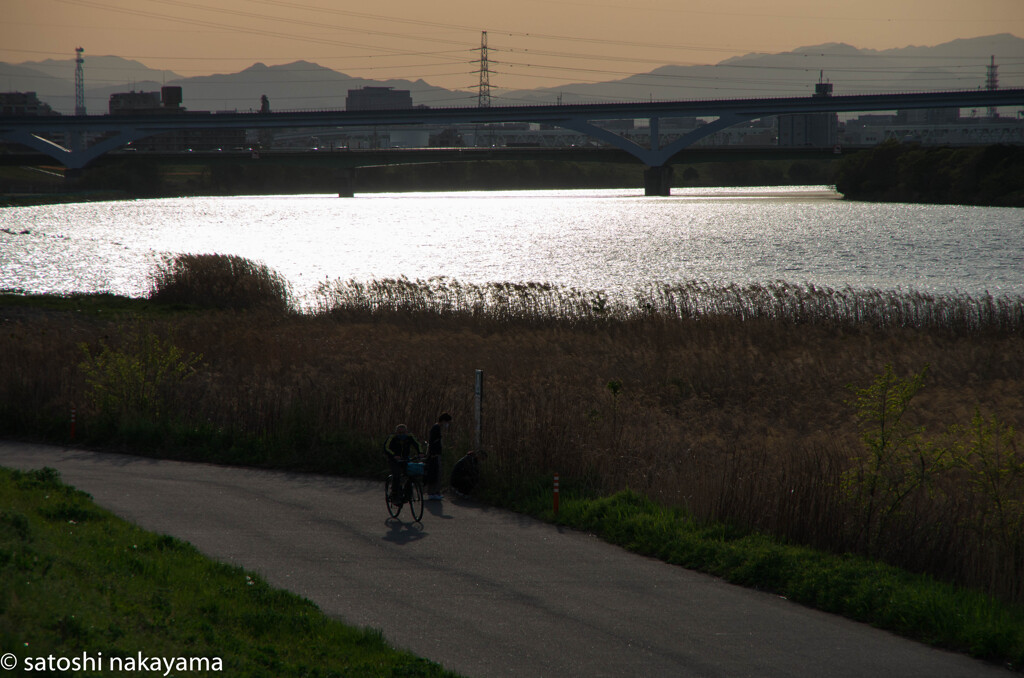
533, 43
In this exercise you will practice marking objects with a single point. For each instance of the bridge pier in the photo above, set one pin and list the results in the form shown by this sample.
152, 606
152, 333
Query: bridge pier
72, 176
347, 189
658, 180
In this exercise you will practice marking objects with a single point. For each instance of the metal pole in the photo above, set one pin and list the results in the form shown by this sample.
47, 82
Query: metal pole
556, 495
478, 436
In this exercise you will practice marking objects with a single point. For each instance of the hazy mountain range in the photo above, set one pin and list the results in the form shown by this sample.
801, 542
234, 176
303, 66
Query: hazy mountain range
960, 64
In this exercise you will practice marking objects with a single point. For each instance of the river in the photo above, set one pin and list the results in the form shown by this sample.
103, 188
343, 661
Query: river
611, 240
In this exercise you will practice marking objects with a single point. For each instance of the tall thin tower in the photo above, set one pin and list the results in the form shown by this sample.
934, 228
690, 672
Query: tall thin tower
483, 97
992, 83
79, 82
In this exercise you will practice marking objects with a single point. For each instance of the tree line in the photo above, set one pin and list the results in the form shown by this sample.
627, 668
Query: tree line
895, 172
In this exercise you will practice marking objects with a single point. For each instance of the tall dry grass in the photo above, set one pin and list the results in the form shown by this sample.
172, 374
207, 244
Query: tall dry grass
777, 301
733, 402
222, 281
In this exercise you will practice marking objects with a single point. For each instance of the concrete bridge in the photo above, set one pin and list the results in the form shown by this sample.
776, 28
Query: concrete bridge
583, 118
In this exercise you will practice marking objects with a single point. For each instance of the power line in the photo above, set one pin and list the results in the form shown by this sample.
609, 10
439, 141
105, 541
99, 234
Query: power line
236, 28
249, 59
365, 15
448, 57
298, 22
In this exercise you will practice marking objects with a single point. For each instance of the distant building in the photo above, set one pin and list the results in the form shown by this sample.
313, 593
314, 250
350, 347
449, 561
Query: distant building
869, 130
168, 100
819, 130
865, 130
928, 116
133, 102
23, 103
378, 99
761, 132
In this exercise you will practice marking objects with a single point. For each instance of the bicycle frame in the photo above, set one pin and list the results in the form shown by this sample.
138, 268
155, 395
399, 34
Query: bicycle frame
411, 493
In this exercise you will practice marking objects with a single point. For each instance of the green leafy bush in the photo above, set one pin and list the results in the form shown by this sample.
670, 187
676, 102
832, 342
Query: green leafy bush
133, 380
896, 460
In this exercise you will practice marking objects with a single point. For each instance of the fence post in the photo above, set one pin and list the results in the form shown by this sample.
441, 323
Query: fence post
556, 495
479, 406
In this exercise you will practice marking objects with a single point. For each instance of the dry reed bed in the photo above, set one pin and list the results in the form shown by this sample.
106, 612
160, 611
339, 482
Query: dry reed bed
776, 301
732, 402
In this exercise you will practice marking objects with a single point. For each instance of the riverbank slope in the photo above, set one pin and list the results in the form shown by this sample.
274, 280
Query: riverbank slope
819, 417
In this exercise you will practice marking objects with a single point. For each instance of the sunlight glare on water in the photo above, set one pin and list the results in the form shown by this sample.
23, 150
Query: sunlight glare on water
614, 240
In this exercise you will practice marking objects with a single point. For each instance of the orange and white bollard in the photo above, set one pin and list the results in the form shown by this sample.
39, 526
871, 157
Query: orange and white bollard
556, 494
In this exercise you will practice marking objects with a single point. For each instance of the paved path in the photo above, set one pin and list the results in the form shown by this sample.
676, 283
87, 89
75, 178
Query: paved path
485, 592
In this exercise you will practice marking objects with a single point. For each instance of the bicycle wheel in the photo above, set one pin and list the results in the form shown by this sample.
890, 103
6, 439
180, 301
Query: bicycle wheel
394, 508
416, 499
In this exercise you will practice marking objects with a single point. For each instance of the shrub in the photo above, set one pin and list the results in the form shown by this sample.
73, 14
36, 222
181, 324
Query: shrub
220, 281
896, 460
993, 464
134, 380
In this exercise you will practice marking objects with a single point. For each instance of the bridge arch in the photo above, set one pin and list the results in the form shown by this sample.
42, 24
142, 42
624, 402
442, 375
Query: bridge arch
75, 158
658, 176
656, 155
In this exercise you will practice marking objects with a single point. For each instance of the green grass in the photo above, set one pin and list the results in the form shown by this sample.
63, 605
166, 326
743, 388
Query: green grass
911, 605
99, 306
77, 579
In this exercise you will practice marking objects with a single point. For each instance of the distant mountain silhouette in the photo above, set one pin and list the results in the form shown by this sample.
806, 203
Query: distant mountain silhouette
300, 85
959, 64
296, 86
54, 80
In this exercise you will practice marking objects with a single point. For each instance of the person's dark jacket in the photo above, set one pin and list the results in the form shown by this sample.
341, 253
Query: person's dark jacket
402, 446
434, 441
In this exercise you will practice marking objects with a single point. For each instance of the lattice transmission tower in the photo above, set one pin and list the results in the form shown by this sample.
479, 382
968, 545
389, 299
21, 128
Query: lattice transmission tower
79, 82
992, 83
483, 97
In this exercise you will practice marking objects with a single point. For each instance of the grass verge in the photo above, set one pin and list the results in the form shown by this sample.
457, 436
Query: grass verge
915, 606
79, 582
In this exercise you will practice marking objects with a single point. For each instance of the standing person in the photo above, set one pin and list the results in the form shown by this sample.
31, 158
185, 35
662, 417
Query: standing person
398, 448
434, 446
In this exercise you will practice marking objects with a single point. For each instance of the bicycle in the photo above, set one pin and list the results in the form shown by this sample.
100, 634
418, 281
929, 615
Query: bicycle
412, 492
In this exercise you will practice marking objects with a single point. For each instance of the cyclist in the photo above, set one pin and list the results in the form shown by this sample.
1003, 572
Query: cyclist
398, 448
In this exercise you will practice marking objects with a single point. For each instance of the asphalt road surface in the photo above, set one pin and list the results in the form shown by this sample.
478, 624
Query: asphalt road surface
485, 592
